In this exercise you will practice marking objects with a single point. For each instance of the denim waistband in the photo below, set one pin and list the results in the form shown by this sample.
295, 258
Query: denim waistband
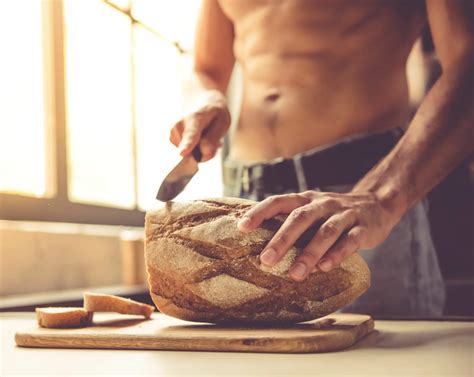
341, 162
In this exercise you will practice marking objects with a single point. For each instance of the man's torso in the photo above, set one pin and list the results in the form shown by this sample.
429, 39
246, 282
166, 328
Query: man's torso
315, 71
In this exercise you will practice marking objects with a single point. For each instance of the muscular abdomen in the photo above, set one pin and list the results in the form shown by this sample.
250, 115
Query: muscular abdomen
317, 71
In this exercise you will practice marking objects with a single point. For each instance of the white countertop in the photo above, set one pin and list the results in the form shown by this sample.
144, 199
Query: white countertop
396, 348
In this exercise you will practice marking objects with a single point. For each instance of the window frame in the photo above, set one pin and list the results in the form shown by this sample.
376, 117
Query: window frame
56, 205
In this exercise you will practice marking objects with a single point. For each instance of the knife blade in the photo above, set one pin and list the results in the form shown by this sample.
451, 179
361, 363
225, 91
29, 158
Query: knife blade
179, 176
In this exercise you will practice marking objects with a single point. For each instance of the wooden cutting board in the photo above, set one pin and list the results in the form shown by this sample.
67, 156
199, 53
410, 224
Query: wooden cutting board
113, 331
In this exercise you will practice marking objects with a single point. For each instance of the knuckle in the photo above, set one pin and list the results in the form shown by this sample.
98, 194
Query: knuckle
360, 230
331, 202
252, 220
208, 113
328, 202
193, 123
273, 200
281, 240
328, 230
300, 215
251, 215
353, 239
193, 132
305, 198
350, 213
307, 193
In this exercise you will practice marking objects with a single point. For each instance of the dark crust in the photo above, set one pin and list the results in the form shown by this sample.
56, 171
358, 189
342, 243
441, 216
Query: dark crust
332, 290
239, 208
272, 318
318, 287
176, 290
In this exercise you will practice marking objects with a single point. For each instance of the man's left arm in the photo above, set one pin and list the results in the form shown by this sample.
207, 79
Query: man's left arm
439, 137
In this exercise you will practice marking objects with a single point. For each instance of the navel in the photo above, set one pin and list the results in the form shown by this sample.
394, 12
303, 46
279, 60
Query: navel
272, 96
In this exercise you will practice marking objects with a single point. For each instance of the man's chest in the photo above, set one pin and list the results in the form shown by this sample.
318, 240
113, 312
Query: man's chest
320, 21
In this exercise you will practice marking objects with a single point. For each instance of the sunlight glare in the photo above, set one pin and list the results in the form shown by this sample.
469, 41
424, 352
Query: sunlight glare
22, 117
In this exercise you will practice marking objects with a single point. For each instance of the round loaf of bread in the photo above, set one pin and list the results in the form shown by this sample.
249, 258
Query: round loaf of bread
202, 268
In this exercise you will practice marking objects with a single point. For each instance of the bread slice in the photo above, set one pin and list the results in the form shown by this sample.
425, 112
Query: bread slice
202, 268
98, 302
63, 317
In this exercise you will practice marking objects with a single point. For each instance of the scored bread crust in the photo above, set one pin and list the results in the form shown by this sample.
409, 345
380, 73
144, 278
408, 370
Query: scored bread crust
201, 268
56, 317
319, 309
99, 302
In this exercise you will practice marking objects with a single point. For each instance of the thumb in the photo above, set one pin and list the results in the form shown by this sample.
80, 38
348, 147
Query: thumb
208, 150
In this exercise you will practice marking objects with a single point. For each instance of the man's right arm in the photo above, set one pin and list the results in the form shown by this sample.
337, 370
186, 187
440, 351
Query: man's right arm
214, 59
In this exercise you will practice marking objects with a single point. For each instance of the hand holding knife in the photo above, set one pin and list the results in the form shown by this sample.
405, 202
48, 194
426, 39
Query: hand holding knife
204, 128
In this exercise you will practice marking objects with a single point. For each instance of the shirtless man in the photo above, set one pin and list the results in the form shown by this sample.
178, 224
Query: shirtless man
316, 73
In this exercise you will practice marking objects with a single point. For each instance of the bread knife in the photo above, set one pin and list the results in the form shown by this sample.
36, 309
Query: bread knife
177, 179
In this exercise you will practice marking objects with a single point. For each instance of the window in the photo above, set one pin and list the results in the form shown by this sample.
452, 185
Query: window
92, 89
23, 128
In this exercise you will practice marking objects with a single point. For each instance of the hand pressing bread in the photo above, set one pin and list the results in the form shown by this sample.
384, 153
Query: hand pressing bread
202, 268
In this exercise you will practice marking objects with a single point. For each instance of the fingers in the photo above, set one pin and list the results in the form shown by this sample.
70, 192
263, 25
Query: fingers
205, 127
347, 245
210, 141
297, 222
176, 133
324, 238
269, 208
191, 135
208, 150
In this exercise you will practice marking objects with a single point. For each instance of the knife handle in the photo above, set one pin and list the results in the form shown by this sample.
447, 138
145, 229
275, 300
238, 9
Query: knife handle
196, 153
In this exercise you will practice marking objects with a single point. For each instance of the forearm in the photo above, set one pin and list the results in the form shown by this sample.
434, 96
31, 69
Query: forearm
201, 89
205, 82
440, 136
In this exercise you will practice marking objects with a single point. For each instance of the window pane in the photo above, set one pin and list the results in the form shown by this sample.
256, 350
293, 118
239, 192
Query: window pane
99, 117
159, 73
123, 5
22, 126
175, 19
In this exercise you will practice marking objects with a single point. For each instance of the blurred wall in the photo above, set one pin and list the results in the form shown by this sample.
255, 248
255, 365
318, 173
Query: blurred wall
42, 257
